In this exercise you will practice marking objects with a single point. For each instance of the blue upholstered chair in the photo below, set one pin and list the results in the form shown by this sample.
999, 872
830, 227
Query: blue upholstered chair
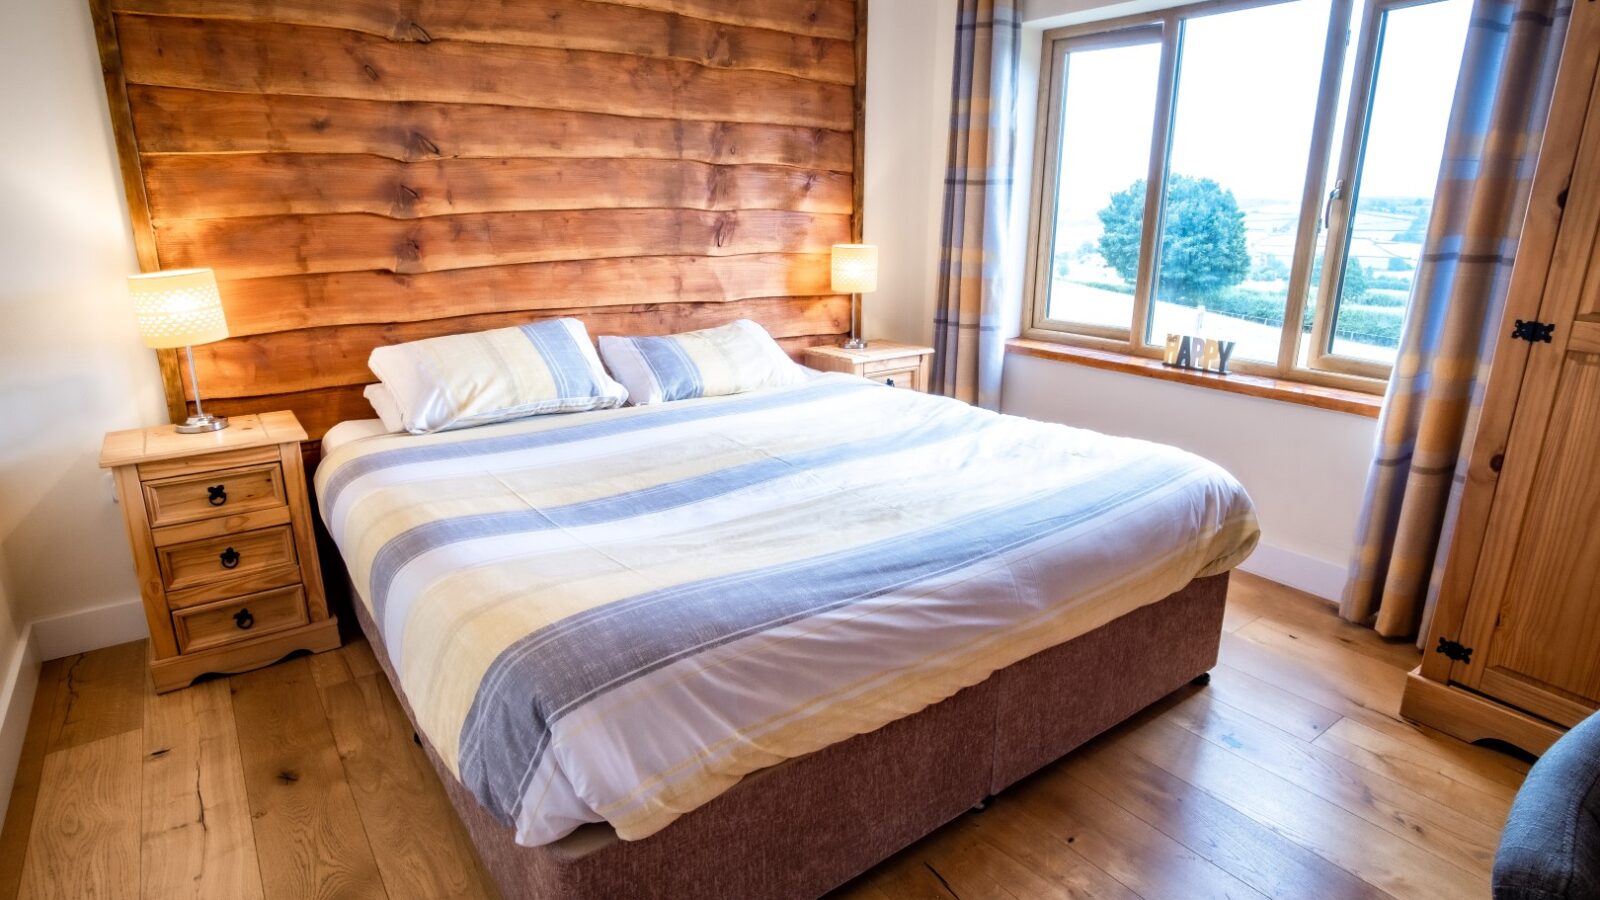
1551, 846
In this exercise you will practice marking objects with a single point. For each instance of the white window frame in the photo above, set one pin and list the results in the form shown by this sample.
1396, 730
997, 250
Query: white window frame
1321, 367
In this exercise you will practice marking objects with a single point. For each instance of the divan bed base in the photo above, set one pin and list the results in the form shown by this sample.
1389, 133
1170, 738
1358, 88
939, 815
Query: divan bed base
808, 825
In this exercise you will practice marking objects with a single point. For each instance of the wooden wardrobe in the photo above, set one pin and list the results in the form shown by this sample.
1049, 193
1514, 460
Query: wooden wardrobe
1513, 652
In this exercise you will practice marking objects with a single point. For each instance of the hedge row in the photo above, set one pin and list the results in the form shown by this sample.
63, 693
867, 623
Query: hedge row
1377, 321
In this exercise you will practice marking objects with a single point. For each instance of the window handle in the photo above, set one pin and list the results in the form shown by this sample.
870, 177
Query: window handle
1327, 208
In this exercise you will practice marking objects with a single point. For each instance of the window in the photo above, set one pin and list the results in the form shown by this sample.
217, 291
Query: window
1202, 167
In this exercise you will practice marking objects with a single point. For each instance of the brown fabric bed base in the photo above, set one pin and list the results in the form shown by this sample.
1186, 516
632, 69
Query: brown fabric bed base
803, 827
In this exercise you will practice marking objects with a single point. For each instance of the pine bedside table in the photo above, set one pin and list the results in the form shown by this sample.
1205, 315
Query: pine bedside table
897, 365
222, 542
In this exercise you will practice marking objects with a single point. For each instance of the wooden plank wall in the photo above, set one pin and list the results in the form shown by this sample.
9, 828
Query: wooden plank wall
371, 171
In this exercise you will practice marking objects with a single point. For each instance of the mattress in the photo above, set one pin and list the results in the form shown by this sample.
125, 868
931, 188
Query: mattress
615, 616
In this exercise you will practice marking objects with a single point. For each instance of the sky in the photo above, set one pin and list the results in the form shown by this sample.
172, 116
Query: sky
1246, 96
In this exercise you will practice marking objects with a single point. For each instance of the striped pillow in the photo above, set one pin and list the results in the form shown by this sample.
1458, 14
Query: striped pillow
462, 380
729, 359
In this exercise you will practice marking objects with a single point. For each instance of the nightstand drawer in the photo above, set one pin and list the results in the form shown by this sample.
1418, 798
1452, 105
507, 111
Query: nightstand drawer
239, 620
225, 557
219, 493
900, 378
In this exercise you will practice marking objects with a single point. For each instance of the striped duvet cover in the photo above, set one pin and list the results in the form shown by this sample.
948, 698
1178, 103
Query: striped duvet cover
616, 615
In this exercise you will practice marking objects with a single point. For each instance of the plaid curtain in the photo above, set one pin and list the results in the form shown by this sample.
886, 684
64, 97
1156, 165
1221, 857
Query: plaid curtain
974, 298
1430, 412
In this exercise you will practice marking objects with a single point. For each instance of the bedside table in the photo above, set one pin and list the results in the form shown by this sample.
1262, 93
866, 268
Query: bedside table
897, 365
220, 526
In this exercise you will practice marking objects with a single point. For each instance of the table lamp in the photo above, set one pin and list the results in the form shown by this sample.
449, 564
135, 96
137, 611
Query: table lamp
855, 272
181, 308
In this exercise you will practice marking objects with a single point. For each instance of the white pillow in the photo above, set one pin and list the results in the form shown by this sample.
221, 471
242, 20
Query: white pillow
384, 405
463, 380
729, 359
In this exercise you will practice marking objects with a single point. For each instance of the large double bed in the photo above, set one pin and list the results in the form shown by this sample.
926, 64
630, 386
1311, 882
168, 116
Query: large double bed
748, 646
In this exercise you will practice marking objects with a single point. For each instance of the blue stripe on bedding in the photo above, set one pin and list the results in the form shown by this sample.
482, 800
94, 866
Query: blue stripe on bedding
562, 357
413, 543
543, 676
676, 375
602, 426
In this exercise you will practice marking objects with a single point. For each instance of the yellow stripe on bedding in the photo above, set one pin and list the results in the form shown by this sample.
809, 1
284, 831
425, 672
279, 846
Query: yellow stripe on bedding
396, 509
460, 623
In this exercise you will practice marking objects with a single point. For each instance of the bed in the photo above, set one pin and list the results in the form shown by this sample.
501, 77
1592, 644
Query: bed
752, 645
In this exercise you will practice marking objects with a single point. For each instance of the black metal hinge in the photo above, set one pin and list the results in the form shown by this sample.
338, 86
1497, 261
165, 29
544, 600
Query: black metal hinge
1454, 650
1533, 332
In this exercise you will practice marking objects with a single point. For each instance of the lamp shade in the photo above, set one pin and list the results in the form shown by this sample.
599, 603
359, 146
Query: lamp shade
177, 308
855, 268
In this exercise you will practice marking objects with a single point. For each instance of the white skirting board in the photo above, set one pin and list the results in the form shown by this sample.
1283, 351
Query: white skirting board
90, 629
1297, 570
16, 702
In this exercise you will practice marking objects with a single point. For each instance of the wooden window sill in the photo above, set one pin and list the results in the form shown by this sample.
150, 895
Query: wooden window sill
1342, 400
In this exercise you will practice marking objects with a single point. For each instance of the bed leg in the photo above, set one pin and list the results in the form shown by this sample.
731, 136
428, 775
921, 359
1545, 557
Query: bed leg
983, 804
1201, 680
416, 739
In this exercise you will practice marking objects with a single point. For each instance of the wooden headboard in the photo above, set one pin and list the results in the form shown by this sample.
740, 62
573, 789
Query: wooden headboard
361, 172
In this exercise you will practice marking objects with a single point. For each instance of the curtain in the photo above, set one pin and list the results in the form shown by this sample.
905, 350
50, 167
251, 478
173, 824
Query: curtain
1430, 411
974, 296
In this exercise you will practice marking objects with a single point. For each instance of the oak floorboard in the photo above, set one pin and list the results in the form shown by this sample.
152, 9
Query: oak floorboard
421, 849
85, 836
309, 836
1254, 595
1206, 826
105, 691
1331, 677
1133, 850
1481, 789
198, 841
1008, 829
1408, 814
47, 705
1294, 811
1282, 709
1291, 775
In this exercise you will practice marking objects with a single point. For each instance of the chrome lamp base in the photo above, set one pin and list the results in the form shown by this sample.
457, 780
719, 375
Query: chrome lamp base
201, 424
855, 342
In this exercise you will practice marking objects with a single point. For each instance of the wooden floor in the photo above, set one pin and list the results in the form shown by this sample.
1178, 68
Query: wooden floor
1289, 776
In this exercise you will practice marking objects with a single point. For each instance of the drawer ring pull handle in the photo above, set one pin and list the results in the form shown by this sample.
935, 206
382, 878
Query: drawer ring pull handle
229, 558
217, 494
889, 382
243, 619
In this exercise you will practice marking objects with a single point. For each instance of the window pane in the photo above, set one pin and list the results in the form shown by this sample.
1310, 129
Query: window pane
1342, 112
1247, 94
1418, 63
1107, 115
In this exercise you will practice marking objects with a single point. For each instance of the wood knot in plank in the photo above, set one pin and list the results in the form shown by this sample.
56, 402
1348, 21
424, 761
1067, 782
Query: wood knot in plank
288, 776
420, 140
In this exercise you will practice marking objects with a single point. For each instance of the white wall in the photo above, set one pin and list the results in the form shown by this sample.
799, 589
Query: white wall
1305, 468
910, 48
73, 364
